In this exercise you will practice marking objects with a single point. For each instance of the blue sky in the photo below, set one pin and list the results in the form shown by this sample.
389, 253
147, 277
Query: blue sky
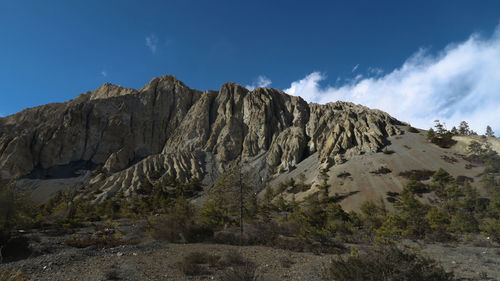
51, 51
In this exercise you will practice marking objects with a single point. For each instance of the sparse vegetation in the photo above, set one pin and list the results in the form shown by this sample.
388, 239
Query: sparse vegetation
489, 132
449, 159
388, 151
381, 171
419, 175
317, 224
441, 137
233, 265
413, 130
386, 263
195, 263
344, 175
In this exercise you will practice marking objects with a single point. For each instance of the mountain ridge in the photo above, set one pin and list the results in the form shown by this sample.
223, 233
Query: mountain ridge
168, 127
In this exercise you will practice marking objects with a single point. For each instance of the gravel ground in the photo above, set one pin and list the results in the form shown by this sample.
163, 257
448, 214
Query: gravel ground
154, 260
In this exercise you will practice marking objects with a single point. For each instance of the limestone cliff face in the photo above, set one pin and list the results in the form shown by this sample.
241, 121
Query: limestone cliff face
169, 128
111, 126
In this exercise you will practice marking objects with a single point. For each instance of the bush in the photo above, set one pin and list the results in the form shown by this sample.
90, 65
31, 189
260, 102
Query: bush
17, 210
178, 224
232, 257
419, 175
461, 180
195, 263
230, 238
170, 228
199, 263
388, 151
416, 187
344, 175
239, 268
16, 248
198, 233
244, 272
381, 171
384, 264
444, 140
413, 130
449, 159
212, 214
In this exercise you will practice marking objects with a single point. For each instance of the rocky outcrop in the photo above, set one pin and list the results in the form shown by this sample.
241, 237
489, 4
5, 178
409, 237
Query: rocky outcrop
92, 128
169, 128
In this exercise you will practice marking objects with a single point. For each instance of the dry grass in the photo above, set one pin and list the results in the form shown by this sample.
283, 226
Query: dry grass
202, 263
386, 264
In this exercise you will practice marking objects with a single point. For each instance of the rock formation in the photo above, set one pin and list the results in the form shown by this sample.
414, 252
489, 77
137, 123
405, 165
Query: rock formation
125, 134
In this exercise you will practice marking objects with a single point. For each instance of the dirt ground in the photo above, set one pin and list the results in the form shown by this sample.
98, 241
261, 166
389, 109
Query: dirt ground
476, 258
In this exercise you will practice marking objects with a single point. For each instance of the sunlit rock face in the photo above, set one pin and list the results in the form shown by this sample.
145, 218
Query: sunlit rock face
123, 134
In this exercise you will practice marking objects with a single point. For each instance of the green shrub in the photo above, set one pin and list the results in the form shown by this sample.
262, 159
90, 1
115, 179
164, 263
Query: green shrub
491, 227
419, 175
381, 171
212, 214
17, 210
413, 129
416, 187
372, 215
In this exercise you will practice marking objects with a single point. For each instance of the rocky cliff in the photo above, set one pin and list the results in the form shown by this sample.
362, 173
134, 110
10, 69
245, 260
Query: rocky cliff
123, 134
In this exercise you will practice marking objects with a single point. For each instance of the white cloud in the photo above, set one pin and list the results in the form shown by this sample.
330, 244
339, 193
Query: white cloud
355, 68
104, 73
262, 81
152, 43
375, 71
462, 82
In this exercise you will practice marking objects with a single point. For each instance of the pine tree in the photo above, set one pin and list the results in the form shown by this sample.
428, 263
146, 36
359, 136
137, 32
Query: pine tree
324, 186
464, 129
489, 132
431, 135
440, 128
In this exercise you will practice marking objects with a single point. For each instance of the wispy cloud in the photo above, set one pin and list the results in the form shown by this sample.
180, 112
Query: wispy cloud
375, 71
462, 82
262, 81
355, 68
104, 73
152, 43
